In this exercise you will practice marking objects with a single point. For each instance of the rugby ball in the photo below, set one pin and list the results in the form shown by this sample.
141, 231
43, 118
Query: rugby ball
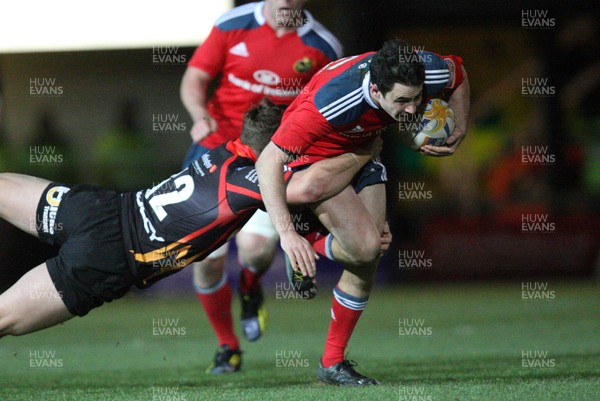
435, 125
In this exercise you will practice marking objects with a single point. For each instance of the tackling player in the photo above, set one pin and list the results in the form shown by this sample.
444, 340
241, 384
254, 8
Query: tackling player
271, 48
109, 242
344, 106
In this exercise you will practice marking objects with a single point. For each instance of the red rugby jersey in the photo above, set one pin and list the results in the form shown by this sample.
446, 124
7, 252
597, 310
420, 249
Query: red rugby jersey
255, 63
335, 114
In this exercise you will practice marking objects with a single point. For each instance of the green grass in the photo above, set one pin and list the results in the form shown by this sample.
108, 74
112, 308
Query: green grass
474, 352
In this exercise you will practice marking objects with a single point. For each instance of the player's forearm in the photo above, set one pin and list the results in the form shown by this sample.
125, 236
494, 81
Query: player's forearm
460, 103
269, 167
193, 90
325, 178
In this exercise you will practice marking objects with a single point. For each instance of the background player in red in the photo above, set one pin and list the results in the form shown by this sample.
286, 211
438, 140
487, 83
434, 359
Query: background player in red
271, 49
109, 241
344, 106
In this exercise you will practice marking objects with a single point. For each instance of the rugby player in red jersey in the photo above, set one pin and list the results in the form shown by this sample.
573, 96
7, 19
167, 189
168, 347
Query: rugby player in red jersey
344, 106
272, 49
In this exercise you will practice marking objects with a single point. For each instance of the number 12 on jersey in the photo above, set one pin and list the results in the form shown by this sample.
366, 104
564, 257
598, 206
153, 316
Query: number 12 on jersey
172, 191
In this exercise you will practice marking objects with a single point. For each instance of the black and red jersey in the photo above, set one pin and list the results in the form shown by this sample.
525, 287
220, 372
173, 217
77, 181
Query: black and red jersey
189, 215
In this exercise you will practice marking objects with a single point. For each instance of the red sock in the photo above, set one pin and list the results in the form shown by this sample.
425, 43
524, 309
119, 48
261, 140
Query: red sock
217, 305
250, 279
321, 243
345, 311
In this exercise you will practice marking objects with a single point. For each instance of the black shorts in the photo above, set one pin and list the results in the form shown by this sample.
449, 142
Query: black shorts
85, 222
372, 173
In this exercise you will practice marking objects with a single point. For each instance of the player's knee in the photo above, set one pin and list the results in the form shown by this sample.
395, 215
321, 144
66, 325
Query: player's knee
367, 250
208, 272
256, 251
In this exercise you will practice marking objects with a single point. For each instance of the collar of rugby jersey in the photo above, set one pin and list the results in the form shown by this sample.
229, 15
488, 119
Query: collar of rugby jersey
238, 148
365, 89
303, 30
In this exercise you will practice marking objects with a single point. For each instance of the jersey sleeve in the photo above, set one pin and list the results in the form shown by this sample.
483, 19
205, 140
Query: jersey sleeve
454, 64
243, 190
300, 128
443, 74
210, 55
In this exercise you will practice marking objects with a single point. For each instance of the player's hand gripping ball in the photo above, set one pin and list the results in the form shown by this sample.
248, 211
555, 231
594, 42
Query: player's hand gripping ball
436, 124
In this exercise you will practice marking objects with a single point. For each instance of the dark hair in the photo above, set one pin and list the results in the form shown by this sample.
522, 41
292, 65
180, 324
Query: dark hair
396, 62
260, 123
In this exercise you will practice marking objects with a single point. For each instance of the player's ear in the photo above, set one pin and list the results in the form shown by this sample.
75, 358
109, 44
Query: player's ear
374, 90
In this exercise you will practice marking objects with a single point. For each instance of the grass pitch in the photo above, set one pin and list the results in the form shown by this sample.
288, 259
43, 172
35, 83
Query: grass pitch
423, 342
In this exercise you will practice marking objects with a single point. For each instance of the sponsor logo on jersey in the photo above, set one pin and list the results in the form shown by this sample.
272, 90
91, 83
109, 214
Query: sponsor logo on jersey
240, 50
359, 134
53, 197
198, 168
206, 161
358, 128
305, 64
266, 77
261, 88
252, 176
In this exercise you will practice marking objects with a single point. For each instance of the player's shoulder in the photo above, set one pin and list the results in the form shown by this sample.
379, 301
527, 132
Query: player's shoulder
440, 71
342, 97
242, 17
314, 34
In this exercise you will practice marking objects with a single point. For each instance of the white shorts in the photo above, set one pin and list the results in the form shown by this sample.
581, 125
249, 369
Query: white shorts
259, 223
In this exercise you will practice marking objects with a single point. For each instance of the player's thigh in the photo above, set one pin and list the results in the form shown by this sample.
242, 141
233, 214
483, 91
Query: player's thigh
32, 304
351, 223
373, 197
257, 240
19, 198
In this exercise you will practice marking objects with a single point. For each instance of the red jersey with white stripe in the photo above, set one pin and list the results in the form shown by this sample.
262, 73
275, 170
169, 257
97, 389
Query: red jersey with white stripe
255, 63
335, 114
